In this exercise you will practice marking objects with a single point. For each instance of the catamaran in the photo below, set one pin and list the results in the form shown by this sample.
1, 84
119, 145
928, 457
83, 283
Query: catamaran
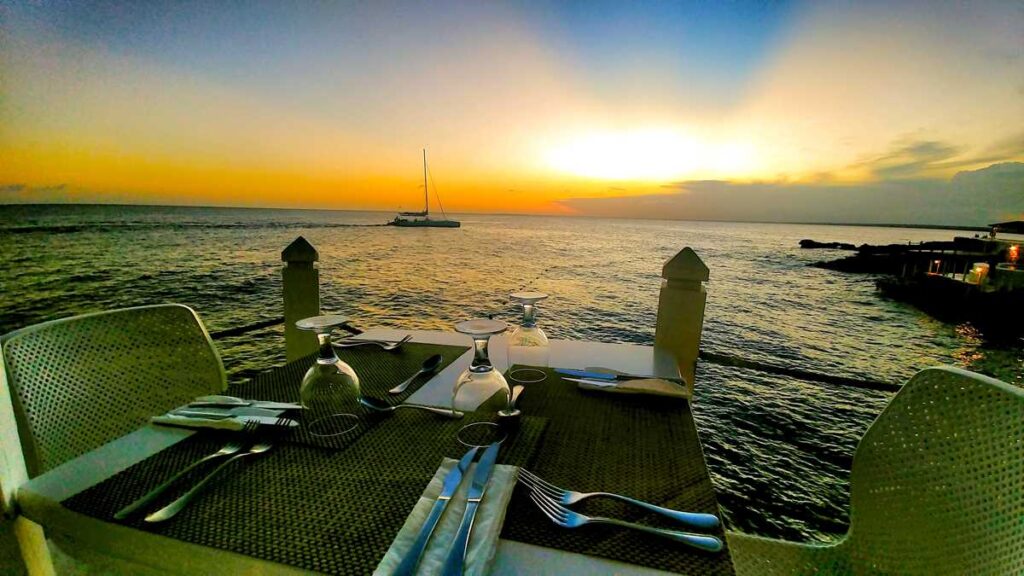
423, 219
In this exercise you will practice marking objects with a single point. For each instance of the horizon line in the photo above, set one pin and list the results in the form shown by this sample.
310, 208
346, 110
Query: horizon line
971, 228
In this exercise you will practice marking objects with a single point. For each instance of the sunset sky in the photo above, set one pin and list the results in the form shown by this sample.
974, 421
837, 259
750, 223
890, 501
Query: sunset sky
523, 107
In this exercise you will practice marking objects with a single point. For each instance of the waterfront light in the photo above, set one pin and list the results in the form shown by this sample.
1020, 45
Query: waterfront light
1013, 253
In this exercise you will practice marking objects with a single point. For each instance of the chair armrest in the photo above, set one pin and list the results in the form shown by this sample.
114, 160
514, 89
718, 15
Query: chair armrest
756, 555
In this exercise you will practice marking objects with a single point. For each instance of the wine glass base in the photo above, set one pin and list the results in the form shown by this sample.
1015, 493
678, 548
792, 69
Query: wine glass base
481, 434
527, 375
333, 425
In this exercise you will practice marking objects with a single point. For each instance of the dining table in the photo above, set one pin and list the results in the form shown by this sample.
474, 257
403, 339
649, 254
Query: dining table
68, 500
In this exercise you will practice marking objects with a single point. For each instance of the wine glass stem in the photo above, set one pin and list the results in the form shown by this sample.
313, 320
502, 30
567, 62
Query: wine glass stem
327, 355
529, 313
481, 360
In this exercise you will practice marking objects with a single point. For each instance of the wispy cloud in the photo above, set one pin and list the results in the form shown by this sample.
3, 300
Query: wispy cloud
25, 192
911, 160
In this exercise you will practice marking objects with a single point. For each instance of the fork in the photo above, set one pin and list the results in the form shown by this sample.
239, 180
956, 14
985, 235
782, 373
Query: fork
227, 450
384, 345
169, 511
568, 519
569, 497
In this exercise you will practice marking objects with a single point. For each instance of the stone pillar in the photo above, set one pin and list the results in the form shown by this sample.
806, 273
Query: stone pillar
681, 311
301, 296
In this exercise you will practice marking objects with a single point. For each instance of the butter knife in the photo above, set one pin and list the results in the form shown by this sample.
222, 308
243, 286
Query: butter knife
220, 413
601, 383
453, 565
596, 374
232, 402
451, 484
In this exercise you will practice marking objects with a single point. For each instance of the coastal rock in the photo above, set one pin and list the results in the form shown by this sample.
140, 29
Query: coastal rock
808, 243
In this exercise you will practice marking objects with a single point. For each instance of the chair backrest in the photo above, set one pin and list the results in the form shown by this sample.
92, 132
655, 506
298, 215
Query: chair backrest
938, 480
77, 383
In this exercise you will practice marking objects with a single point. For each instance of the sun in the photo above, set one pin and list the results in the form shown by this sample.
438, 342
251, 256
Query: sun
647, 155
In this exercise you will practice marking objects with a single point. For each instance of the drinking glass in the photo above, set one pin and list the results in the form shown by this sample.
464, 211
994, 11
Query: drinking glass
330, 389
527, 344
480, 381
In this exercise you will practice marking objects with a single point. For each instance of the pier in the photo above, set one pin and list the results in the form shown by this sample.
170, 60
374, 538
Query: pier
979, 279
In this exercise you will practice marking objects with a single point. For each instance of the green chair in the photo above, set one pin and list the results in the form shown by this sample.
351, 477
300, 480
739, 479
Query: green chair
71, 385
937, 487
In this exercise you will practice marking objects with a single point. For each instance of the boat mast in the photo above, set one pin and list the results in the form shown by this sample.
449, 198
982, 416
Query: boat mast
426, 201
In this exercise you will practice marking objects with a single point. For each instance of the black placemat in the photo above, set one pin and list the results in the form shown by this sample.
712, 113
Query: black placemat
328, 511
640, 446
378, 372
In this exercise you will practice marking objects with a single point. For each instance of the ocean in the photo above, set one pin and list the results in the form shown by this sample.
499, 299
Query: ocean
779, 449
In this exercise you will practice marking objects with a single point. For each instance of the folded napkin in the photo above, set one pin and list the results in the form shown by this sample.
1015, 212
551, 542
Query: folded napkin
483, 541
649, 386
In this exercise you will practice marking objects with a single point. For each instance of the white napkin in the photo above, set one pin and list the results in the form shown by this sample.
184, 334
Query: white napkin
483, 541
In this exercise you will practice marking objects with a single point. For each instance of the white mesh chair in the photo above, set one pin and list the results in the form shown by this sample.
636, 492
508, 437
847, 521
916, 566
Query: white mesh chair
937, 487
72, 385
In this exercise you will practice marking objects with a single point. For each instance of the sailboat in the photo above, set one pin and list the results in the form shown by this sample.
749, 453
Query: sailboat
423, 219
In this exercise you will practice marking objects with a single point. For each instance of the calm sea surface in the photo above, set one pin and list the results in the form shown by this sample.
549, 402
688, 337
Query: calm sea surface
779, 449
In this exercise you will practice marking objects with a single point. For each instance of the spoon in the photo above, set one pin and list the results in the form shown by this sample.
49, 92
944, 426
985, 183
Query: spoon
381, 406
516, 391
429, 365
512, 410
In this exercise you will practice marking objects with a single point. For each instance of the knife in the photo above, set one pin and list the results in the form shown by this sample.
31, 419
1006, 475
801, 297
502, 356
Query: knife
236, 423
232, 402
457, 554
610, 376
601, 383
451, 484
217, 414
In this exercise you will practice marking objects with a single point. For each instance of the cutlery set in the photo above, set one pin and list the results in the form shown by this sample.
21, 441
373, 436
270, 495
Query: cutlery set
605, 377
455, 561
228, 413
232, 451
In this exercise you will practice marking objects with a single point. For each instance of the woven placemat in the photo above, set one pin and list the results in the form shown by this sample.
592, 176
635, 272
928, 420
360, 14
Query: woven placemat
638, 446
327, 511
378, 372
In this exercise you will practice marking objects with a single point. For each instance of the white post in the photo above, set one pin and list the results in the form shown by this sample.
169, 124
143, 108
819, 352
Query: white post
13, 473
301, 296
681, 311
35, 553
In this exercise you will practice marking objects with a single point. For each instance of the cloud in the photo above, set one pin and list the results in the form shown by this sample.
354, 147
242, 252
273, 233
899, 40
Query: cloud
918, 159
20, 192
1009, 147
971, 198
911, 160
12, 188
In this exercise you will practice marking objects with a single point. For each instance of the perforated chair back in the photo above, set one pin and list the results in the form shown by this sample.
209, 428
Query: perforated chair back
77, 383
937, 485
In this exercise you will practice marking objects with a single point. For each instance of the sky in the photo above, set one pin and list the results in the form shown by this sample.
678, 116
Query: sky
773, 111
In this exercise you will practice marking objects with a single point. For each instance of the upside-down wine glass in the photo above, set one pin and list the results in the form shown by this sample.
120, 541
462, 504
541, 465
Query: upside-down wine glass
527, 344
330, 389
480, 381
